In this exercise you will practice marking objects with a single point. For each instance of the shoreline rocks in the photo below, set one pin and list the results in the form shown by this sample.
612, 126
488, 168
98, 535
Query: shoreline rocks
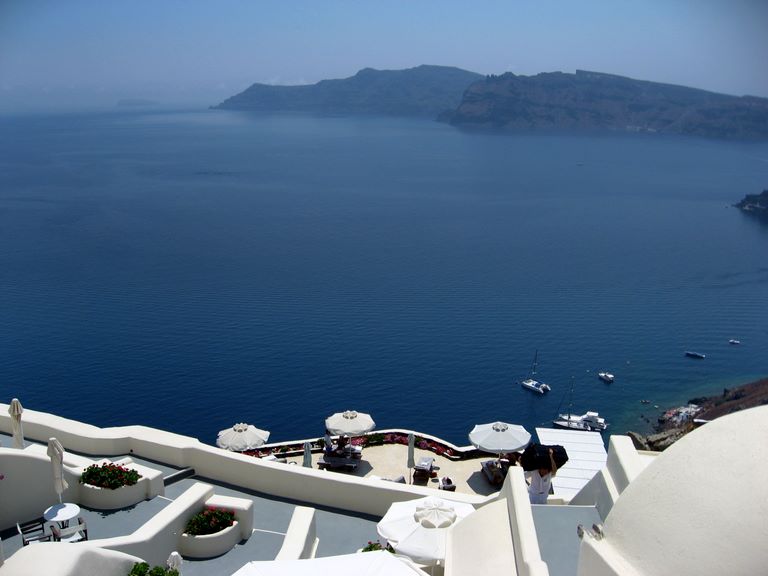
677, 422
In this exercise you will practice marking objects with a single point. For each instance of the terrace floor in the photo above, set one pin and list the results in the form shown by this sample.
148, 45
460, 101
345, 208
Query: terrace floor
389, 461
339, 532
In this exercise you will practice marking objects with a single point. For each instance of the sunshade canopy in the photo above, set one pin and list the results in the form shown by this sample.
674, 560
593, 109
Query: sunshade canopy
242, 437
499, 437
378, 563
417, 528
350, 422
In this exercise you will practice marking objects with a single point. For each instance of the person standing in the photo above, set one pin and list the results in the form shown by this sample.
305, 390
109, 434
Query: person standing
540, 481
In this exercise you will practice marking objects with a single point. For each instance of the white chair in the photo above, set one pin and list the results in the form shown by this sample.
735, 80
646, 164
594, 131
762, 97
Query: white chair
76, 533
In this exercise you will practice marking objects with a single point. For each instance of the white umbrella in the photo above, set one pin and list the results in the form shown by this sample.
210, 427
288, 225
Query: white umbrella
242, 437
174, 562
499, 437
350, 422
56, 452
15, 409
307, 463
378, 563
417, 528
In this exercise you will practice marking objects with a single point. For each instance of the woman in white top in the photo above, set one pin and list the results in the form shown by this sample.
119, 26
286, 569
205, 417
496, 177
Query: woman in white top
540, 481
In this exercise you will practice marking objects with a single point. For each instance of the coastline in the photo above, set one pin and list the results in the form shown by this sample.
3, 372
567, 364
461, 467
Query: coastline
678, 421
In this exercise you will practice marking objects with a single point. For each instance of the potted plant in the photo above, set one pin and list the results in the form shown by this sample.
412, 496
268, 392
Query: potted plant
211, 532
110, 486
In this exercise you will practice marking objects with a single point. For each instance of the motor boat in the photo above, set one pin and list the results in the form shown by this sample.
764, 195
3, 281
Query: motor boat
589, 422
533, 384
734, 341
606, 377
698, 355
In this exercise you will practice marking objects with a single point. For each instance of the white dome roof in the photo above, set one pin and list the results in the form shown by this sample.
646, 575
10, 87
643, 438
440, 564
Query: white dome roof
702, 506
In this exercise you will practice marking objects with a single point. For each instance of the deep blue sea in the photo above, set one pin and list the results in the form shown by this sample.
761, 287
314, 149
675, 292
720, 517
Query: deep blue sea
189, 270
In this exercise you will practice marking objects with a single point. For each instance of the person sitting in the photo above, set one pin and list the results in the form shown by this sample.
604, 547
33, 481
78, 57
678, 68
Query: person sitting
328, 441
342, 445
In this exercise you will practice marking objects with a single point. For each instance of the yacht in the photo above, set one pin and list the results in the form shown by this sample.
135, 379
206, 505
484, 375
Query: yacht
694, 354
590, 421
533, 384
606, 377
734, 341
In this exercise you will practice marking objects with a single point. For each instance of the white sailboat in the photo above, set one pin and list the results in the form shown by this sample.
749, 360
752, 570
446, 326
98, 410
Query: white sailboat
533, 384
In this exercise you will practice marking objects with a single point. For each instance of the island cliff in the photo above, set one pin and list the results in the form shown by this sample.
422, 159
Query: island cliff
756, 204
421, 91
592, 101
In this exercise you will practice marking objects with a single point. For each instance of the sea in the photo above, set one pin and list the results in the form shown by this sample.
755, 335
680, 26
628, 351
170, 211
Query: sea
191, 269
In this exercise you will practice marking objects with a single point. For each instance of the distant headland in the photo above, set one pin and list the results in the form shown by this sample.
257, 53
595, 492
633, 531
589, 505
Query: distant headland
581, 102
421, 91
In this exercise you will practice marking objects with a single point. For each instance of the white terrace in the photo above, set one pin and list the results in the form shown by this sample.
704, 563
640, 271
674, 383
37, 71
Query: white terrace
700, 505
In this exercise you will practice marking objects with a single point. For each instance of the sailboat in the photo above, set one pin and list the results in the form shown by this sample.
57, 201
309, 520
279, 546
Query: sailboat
589, 421
533, 384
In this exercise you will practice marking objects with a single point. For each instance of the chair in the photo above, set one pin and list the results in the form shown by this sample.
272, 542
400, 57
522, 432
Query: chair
33, 531
76, 533
446, 484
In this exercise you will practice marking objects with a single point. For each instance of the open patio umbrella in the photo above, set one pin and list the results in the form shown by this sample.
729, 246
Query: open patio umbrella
417, 528
377, 563
350, 422
307, 462
15, 409
242, 437
499, 437
56, 452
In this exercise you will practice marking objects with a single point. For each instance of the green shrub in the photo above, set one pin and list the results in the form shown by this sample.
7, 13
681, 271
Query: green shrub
109, 475
210, 521
142, 569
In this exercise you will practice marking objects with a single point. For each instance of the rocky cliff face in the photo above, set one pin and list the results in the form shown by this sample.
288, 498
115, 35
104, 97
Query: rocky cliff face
421, 91
756, 204
595, 101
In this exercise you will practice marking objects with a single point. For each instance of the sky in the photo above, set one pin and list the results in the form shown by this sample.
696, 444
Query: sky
92, 53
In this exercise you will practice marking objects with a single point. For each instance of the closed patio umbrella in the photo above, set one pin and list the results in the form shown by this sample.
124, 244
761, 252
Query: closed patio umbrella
307, 462
499, 437
15, 409
56, 452
242, 437
174, 562
411, 449
350, 422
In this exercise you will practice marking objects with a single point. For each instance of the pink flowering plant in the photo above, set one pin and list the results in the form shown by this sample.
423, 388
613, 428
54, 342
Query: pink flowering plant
109, 475
210, 521
374, 545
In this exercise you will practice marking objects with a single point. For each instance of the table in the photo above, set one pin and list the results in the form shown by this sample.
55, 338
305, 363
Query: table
422, 471
61, 513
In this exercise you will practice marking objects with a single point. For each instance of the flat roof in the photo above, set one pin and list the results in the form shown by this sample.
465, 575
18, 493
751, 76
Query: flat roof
586, 457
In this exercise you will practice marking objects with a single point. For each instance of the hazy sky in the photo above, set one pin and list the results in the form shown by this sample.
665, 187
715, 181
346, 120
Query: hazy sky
93, 52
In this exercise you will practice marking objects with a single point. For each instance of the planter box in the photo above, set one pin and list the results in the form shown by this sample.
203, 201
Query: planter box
107, 499
210, 545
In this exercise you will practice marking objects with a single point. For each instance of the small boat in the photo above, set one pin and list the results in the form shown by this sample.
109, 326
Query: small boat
533, 384
694, 354
606, 377
590, 422
645, 401
734, 342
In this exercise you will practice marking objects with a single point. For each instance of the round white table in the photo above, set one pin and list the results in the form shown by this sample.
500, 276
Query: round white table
61, 513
